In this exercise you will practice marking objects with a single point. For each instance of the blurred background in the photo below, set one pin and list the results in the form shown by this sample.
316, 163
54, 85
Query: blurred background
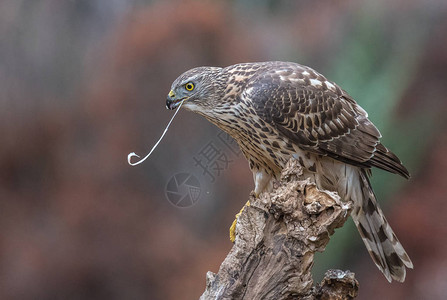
84, 82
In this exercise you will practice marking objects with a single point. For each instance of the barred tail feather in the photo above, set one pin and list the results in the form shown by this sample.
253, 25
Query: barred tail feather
382, 244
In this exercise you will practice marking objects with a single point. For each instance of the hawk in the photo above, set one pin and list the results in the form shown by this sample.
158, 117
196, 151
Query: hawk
279, 110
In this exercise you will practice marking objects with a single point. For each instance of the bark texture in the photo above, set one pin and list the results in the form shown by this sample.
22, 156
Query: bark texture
276, 239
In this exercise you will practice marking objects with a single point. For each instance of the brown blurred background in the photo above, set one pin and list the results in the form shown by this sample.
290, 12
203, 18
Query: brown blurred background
84, 82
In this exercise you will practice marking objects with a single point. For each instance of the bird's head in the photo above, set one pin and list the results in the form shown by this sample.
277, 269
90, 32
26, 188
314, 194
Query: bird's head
199, 89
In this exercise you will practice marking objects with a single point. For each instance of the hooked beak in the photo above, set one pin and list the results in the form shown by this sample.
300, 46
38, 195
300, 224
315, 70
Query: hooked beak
172, 102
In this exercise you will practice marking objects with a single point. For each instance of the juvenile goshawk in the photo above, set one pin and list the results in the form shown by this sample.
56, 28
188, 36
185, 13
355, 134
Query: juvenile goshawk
279, 110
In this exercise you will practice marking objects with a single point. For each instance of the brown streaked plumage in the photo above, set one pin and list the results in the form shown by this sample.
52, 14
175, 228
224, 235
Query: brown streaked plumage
279, 110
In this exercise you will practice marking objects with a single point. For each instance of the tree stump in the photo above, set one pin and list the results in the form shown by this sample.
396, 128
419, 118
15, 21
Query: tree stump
276, 239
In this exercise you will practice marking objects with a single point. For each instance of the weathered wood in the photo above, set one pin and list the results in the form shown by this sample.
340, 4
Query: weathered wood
337, 285
277, 237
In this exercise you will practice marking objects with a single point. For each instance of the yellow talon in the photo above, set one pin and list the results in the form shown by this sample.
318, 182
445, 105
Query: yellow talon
233, 225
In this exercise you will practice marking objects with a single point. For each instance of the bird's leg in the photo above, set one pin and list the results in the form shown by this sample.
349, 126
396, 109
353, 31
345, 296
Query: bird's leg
262, 182
233, 225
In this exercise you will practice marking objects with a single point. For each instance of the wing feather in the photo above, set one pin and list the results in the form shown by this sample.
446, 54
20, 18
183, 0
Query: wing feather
319, 116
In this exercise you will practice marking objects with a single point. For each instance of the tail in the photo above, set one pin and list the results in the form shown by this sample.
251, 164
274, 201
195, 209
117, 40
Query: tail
382, 244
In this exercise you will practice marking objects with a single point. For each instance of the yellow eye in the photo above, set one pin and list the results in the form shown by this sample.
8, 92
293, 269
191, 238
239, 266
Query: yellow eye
189, 86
